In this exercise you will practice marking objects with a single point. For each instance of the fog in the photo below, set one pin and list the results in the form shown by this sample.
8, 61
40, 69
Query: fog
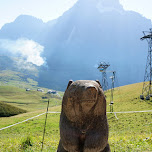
27, 49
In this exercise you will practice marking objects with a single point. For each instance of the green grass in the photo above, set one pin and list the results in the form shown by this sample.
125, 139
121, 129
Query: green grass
7, 110
15, 136
127, 98
15, 78
27, 100
131, 132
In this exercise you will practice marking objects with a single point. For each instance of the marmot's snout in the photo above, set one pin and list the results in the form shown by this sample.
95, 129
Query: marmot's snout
90, 93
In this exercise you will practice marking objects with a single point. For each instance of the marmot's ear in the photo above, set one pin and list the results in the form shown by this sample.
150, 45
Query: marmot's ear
98, 83
70, 82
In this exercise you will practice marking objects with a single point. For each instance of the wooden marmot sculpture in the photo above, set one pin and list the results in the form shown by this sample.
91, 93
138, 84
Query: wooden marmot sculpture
83, 121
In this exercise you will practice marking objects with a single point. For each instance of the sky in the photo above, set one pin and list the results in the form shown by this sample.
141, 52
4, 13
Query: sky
51, 9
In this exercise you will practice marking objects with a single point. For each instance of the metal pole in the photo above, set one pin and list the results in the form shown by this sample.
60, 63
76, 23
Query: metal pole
104, 81
112, 90
45, 125
150, 66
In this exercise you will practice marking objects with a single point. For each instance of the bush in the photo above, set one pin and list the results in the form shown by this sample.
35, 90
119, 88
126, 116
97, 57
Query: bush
26, 142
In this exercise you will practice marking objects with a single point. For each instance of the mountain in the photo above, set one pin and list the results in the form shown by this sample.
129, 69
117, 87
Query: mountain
90, 32
94, 31
23, 26
26, 26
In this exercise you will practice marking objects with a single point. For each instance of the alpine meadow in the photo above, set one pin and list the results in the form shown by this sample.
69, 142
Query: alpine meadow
48, 47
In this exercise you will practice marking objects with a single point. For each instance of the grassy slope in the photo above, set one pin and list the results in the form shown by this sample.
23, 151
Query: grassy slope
127, 98
27, 100
13, 78
130, 132
7, 110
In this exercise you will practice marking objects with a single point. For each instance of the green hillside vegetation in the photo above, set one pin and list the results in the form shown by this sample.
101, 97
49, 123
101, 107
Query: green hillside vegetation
7, 110
27, 100
14, 78
127, 98
128, 132
15, 71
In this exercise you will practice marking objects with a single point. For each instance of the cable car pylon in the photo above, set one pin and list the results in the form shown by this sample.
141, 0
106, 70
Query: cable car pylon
147, 90
102, 68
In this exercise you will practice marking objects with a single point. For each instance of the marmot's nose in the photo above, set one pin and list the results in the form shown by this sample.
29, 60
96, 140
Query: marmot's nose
91, 87
91, 92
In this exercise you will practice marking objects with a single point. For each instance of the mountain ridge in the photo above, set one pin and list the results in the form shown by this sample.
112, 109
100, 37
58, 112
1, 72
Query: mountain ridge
86, 34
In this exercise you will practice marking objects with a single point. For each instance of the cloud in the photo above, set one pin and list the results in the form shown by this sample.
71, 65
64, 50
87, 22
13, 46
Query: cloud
28, 49
22, 64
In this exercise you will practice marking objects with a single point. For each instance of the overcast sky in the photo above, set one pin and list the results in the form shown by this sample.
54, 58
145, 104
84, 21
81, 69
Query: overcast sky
51, 9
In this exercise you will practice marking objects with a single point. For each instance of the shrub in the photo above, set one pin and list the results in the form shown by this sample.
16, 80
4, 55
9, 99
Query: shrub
26, 142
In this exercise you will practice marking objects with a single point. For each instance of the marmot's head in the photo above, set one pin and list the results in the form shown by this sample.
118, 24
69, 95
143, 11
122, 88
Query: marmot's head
83, 98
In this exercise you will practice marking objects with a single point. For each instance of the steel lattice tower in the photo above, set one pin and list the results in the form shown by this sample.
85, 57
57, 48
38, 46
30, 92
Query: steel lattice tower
102, 68
112, 90
147, 91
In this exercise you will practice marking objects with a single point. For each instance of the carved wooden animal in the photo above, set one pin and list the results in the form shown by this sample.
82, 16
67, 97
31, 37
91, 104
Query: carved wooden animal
83, 121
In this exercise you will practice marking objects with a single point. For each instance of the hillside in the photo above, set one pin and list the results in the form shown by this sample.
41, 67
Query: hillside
127, 98
7, 110
127, 131
13, 73
28, 100
13, 78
